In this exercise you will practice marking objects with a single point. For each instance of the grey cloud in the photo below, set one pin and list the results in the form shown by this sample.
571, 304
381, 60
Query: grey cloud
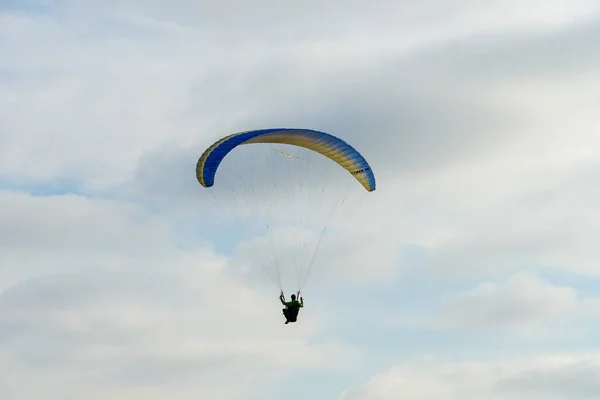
422, 90
538, 378
576, 380
511, 56
523, 302
140, 326
53, 292
75, 223
278, 22
50, 292
391, 112
51, 319
121, 312
413, 111
172, 371
409, 112
410, 115
541, 224
414, 124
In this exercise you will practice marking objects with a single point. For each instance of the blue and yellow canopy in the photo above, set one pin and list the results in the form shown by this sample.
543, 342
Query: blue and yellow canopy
328, 145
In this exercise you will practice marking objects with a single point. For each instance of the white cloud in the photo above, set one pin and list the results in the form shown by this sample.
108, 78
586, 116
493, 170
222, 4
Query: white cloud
136, 310
479, 119
523, 304
551, 377
125, 95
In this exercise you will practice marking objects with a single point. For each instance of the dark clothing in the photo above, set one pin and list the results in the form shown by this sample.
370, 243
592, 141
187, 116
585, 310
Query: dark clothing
291, 309
291, 314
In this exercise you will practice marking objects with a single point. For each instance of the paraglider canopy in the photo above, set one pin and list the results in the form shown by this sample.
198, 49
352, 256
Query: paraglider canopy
288, 187
328, 145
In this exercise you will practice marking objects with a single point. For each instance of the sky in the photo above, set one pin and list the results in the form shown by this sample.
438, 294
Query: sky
477, 275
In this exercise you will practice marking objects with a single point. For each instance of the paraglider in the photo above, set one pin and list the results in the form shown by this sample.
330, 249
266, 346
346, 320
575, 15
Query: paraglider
283, 202
290, 312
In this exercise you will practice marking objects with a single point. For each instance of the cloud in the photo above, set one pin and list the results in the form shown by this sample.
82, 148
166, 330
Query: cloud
124, 90
480, 122
538, 378
525, 303
137, 315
